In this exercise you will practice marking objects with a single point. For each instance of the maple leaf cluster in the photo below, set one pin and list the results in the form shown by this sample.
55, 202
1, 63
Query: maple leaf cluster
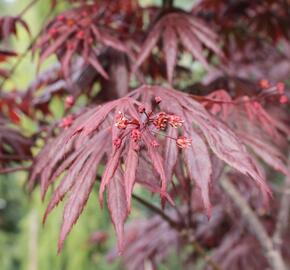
147, 121
130, 136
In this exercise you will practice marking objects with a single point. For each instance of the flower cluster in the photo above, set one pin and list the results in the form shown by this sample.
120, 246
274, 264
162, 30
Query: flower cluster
161, 121
182, 142
121, 121
277, 90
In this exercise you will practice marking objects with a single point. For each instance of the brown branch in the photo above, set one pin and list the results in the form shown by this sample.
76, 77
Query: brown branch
273, 255
14, 157
33, 2
185, 233
167, 4
284, 211
200, 250
15, 169
188, 235
283, 217
157, 211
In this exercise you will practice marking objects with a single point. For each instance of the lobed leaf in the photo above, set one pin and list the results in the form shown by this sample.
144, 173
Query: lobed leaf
198, 164
131, 164
117, 204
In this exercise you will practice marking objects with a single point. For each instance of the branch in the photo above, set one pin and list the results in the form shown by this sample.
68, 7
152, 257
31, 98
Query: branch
200, 250
188, 235
15, 169
167, 4
283, 214
157, 211
185, 233
32, 3
14, 157
283, 217
273, 256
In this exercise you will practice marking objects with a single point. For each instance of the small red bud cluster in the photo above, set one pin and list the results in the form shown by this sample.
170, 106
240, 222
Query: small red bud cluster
281, 90
66, 122
283, 99
121, 121
80, 34
158, 100
161, 121
53, 32
183, 142
70, 22
136, 135
117, 142
60, 18
264, 84
69, 102
274, 90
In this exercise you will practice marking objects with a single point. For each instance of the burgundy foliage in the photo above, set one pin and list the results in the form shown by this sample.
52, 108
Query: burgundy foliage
8, 26
148, 122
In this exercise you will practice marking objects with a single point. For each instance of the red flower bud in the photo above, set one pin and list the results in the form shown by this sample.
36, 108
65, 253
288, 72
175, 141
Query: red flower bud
136, 134
158, 100
283, 99
52, 32
70, 22
281, 88
141, 109
80, 34
121, 121
161, 120
175, 121
117, 142
69, 102
264, 84
182, 142
66, 122
60, 17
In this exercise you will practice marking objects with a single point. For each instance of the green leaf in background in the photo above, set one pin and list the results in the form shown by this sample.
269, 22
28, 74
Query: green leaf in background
56, 106
28, 125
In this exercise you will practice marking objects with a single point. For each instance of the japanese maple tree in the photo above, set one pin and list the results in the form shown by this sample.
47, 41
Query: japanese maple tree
208, 145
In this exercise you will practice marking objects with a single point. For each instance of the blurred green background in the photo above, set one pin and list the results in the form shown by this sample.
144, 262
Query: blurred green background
24, 242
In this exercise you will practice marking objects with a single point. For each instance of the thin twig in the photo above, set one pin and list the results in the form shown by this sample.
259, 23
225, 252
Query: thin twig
175, 207
189, 206
282, 218
284, 211
167, 4
33, 2
156, 210
185, 233
273, 255
14, 157
200, 250
14, 169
